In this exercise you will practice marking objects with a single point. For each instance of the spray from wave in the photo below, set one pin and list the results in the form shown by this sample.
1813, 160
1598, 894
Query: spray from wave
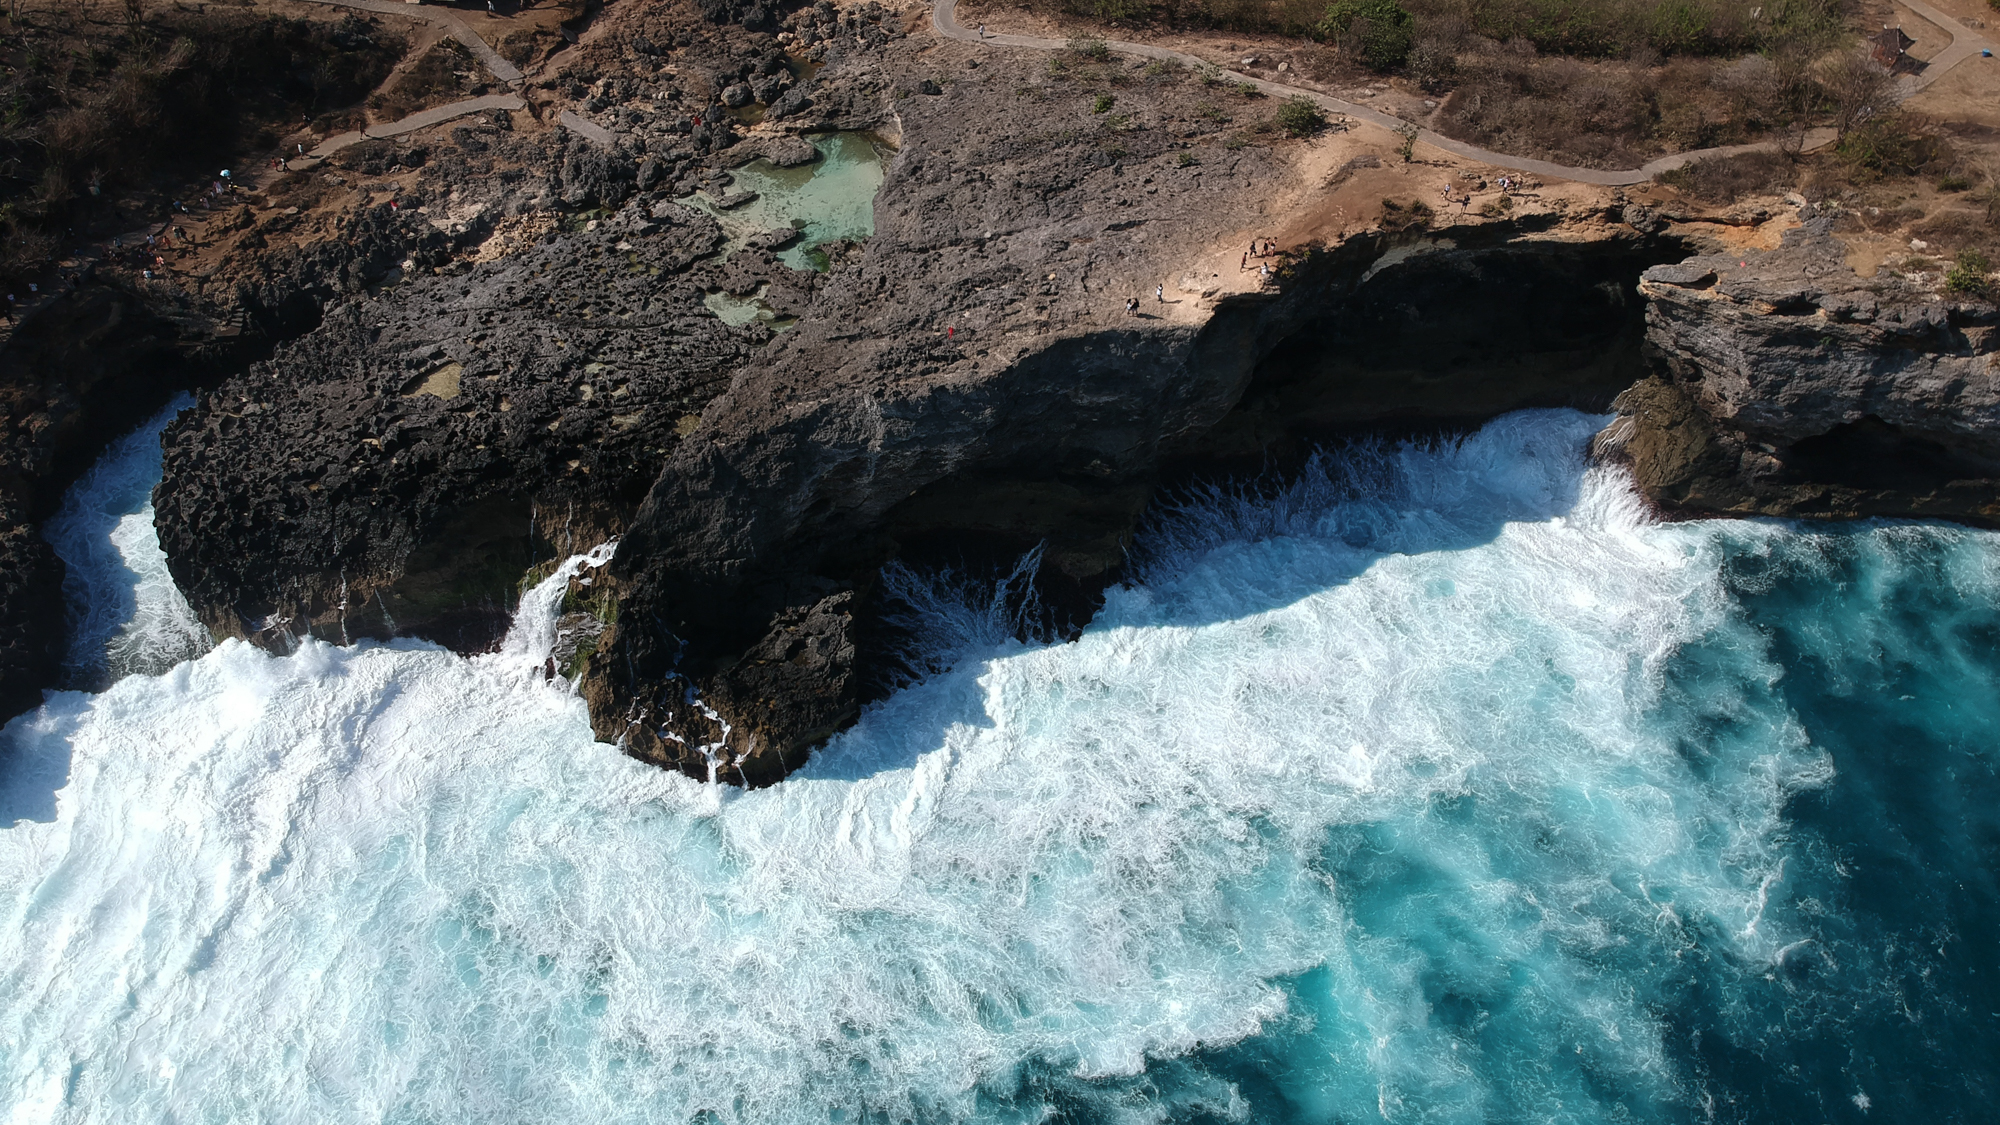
126, 616
1459, 792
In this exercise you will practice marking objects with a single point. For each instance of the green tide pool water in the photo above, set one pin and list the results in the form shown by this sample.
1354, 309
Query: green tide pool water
831, 199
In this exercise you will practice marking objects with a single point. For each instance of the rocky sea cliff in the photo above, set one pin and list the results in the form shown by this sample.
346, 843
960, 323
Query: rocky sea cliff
516, 355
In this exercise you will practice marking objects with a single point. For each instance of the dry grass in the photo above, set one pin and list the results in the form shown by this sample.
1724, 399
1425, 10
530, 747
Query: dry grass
1726, 179
1608, 114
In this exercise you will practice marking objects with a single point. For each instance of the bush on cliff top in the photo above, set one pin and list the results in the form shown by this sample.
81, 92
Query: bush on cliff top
1301, 117
1379, 32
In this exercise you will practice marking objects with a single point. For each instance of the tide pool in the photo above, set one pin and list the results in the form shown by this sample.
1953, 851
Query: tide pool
832, 198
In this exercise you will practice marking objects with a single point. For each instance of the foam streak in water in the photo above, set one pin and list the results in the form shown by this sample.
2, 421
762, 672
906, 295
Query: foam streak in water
1431, 801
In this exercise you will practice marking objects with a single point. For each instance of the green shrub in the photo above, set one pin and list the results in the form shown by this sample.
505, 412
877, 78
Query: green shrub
1248, 90
1967, 274
1090, 48
1379, 32
1185, 160
1892, 144
1103, 104
1954, 181
1301, 117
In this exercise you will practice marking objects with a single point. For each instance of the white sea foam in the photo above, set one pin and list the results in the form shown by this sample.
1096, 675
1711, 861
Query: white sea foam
126, 614
1383, 761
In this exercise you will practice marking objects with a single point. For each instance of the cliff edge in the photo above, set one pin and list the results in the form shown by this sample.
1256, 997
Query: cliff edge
1787, 385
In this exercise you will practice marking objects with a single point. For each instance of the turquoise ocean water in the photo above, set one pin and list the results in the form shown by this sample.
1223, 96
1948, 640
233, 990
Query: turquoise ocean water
1439, 785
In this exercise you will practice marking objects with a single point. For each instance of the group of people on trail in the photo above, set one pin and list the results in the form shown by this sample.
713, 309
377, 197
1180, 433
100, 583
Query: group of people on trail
1159, 297
1259, 248
1508, 185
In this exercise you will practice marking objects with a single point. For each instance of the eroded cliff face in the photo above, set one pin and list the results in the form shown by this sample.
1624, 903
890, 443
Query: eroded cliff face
963, 387
96, 362
1788, 386
747, 577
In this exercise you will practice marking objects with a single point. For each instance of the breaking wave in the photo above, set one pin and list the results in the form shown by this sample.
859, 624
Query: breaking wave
1442, 785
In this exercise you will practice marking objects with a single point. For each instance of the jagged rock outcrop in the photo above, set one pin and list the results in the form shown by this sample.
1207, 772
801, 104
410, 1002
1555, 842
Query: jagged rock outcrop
748, 571
1790, 386
83, 371
967, 381
402, 467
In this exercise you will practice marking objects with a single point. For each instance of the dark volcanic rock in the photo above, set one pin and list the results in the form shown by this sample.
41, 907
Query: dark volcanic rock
1046, 411
403, 466
1790, 386
77, 375
967, 383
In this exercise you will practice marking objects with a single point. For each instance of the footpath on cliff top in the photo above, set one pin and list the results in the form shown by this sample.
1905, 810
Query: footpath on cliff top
1965, 45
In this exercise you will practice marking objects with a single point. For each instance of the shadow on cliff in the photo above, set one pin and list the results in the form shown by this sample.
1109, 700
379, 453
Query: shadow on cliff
1224, 551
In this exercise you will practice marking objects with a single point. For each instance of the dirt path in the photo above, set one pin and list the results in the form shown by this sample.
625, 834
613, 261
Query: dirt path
1964, 45
423, 119
449, 20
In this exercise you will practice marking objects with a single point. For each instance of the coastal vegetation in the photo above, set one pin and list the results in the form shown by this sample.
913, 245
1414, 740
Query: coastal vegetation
100, 101
1594, 83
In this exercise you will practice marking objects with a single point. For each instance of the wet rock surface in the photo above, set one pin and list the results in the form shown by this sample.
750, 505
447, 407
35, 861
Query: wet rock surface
1787, 385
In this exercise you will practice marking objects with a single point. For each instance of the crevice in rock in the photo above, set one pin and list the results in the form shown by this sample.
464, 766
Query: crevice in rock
1873, 454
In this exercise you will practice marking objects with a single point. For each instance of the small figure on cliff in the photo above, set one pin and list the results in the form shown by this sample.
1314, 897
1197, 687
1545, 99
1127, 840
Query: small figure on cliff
1244, 264
1131, 305
1160, 294
948, 332
1264, 272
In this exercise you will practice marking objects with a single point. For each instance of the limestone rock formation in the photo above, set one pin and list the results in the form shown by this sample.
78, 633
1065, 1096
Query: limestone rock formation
1790, 386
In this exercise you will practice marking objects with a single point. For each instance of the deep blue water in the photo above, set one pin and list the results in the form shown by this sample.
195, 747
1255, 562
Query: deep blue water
1442, 785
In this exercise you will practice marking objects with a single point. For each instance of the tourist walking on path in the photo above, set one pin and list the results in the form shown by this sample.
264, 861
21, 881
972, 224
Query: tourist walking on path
1160, 294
